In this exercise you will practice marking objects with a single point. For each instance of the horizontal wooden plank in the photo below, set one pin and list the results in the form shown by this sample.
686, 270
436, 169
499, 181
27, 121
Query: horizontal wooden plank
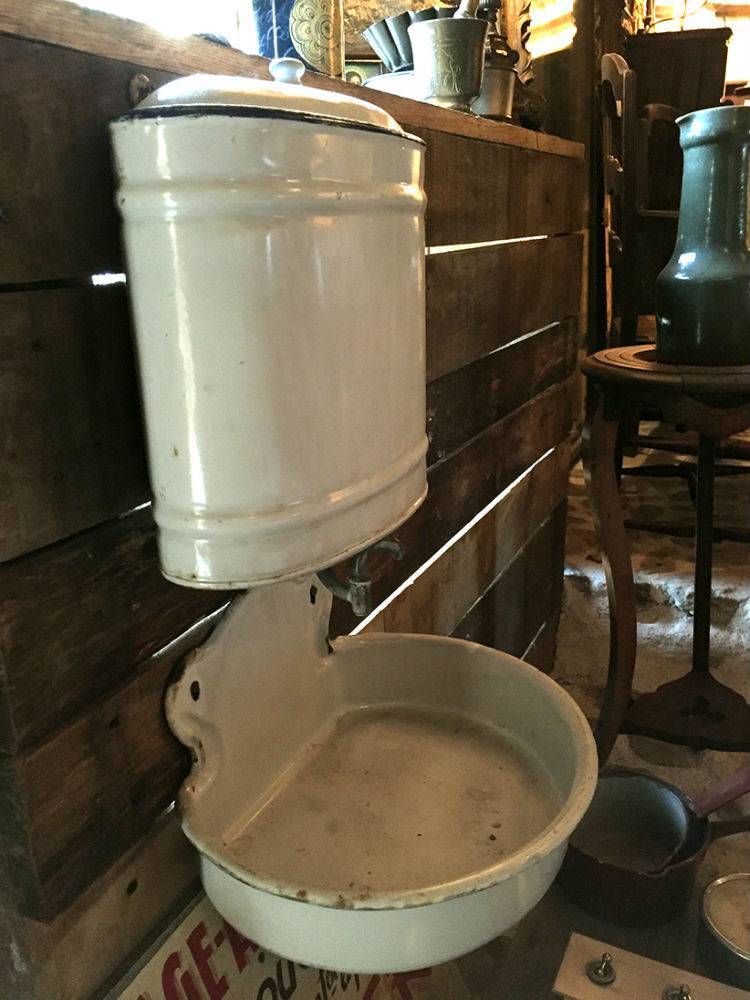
530, 193
78, 617
58, 215
71, 454
75, 804
484, 297
527, 593
74, 955
440, 598
81, 797
466, 482
463, 403
56, 22
461, 486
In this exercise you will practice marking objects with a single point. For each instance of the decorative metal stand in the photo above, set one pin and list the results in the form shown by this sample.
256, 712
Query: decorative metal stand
697, 710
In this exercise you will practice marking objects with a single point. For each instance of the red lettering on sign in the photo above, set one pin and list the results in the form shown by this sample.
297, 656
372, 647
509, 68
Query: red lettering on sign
400, 981
240, 946
371, 987
169, 971
216, 988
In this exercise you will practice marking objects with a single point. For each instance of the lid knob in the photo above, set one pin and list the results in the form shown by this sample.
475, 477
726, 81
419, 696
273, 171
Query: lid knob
286, 70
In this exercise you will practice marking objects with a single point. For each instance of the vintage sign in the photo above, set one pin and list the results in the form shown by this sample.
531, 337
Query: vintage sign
203, 958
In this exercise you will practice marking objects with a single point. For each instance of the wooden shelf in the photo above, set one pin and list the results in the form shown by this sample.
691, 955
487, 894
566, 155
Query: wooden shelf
61, 23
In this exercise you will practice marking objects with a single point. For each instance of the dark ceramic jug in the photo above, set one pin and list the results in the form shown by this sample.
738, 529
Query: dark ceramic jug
703, 294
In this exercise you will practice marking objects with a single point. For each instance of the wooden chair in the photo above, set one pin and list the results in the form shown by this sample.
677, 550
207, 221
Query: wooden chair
619, 153
642, 168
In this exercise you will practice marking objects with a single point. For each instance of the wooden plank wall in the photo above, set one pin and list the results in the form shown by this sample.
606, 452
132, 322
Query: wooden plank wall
89, 630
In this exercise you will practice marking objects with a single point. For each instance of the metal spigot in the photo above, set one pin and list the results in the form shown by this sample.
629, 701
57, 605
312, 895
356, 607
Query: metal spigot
357, 591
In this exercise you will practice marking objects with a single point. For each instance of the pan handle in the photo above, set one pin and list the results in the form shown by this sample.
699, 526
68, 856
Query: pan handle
728, 790
727, 827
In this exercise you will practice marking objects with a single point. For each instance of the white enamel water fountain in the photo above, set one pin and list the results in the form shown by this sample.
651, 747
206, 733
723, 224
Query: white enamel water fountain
382, 802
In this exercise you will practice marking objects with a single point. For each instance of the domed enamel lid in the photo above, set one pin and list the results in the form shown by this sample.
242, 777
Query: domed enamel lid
282, 97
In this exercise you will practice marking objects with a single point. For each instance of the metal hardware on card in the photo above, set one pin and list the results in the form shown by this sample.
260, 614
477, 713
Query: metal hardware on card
601, 970
677, 993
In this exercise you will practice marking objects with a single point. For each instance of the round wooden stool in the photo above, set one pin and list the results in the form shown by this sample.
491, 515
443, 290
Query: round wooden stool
696, 710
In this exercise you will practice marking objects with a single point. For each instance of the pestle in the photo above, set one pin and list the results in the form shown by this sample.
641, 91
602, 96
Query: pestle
467, 8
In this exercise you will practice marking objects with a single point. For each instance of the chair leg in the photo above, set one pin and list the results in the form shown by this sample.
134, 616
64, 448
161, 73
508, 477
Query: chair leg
599, 451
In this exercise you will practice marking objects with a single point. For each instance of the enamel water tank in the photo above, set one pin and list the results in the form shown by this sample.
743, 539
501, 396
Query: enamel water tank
274, 237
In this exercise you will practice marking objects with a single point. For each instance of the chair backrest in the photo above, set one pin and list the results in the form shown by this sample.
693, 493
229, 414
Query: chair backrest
620, 170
